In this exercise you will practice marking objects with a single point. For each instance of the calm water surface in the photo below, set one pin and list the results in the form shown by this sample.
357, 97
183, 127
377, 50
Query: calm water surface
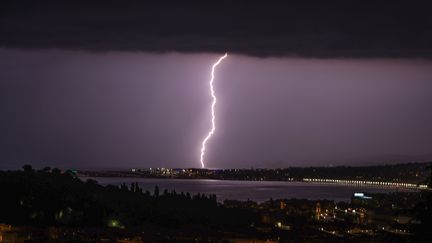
243, 190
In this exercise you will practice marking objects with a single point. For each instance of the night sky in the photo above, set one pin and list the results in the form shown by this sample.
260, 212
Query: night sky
120, 84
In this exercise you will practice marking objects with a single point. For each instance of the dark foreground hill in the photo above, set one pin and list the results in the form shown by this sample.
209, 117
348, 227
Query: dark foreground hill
49, 197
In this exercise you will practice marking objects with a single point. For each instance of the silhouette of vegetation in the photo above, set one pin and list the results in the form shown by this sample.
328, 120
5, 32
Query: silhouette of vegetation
407, 172
59, 206
49, 197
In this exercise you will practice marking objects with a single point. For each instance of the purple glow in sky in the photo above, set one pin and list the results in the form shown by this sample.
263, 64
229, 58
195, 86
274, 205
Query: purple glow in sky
120, 109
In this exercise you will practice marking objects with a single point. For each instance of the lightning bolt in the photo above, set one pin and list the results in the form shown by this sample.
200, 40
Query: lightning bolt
212, 92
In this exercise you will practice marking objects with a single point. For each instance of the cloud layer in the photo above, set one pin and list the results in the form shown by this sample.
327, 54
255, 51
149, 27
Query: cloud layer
243, 27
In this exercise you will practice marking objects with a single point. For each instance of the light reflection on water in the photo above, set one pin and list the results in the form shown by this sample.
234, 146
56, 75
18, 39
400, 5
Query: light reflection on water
243, 190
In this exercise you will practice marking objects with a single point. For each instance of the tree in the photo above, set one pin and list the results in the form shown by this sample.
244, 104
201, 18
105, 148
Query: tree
46, 169
28, 169
156, 191
56, 171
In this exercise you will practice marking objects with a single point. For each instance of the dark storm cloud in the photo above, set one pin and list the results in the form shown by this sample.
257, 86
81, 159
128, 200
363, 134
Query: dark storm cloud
323, 29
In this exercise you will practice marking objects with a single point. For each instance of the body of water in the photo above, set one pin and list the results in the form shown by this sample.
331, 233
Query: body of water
243, 190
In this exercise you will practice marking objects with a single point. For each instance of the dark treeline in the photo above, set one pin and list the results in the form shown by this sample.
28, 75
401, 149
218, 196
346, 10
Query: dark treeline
49, 197
409, 172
